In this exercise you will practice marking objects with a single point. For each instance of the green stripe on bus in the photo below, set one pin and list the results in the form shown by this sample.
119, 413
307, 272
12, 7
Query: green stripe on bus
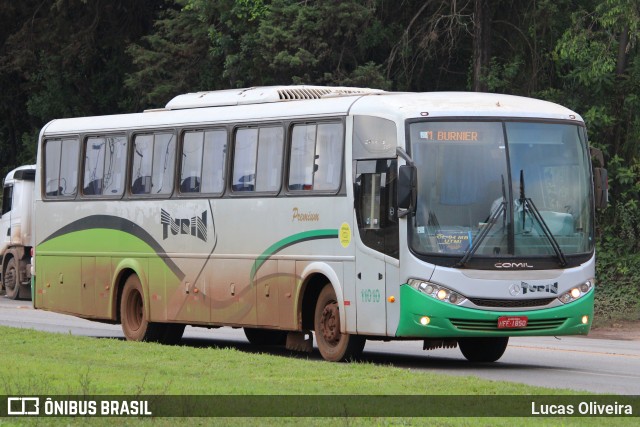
289, 241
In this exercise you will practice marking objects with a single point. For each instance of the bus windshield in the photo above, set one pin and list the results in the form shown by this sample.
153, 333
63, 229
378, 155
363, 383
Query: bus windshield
515, 188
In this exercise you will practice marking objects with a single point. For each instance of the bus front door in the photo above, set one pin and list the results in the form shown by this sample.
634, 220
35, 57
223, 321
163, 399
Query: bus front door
376, 242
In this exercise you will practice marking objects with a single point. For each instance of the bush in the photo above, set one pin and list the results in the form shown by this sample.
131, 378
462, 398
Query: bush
618, 264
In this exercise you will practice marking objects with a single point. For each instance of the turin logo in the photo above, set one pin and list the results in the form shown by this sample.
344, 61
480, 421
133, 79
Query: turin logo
194, 226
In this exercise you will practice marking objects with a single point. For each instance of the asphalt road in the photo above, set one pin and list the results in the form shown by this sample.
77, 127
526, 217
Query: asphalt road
579, 363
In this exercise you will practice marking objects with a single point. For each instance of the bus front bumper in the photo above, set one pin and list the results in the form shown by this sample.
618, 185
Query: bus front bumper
446, 320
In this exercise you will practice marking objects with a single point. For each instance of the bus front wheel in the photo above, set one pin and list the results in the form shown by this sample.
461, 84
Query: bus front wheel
333, 345
133, 314
483, 349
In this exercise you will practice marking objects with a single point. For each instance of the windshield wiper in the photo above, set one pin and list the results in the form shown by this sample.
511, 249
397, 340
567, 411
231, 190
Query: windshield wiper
484, 232
527, 204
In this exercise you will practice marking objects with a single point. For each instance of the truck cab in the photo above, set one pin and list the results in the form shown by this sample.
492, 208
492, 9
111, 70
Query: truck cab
16, 237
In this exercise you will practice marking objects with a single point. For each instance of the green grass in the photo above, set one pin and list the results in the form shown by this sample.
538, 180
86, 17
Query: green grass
39, 363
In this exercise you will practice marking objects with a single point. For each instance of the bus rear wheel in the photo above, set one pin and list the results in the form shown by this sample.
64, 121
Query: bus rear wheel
10, 280
133, 314
334, 346
483, 349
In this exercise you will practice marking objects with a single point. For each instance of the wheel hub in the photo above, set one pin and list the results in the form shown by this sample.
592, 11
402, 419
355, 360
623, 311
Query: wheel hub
331, 323
10, 279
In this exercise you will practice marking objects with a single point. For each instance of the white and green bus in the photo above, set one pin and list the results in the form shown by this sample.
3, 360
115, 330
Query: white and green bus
358, 214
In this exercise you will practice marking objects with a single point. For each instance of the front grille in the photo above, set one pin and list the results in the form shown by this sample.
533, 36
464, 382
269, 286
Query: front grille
492, 325
511, 303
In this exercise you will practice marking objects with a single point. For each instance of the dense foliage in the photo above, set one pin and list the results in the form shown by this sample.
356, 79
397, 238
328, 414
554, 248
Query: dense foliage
67, 58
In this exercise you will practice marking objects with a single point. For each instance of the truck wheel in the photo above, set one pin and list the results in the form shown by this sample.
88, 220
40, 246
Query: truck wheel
133, 314
483, 349
10, 279
333, 345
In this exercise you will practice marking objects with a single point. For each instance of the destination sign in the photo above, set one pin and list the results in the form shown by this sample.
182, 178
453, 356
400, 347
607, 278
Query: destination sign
449, 135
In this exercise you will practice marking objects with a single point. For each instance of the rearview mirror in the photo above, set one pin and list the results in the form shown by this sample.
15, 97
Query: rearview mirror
407, 189
600, 180
600, 187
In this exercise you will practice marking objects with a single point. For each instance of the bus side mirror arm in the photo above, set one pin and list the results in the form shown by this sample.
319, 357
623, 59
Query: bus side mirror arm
407, 190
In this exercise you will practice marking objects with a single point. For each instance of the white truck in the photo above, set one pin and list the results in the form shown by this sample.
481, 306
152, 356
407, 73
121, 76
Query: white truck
16, 236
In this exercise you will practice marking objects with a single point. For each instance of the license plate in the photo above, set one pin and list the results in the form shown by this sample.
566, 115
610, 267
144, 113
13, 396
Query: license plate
512, 322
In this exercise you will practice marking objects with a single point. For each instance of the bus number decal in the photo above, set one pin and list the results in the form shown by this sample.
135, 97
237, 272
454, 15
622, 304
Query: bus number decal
370, 295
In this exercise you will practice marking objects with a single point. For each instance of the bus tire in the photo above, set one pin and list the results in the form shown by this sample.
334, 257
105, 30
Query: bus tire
483, 349
333, 345
10, 279
133, 314
258, 336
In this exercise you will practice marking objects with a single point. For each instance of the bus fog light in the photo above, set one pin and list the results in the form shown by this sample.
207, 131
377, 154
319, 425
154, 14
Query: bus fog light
425, 320
585, 319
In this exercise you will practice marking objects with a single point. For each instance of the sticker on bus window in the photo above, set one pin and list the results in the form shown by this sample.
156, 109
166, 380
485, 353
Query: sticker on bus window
454, 241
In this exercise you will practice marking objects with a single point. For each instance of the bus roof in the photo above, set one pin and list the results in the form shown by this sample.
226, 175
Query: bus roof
463, 104
278, 102
262, 95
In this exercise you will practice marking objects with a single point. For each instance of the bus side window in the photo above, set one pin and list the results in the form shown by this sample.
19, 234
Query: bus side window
257, 164
213, 162
328, 157
269, 167
153, 164
191, 168
244, 159
105, 161
203, 160
301, 163
316, 157
163, 163
61, 167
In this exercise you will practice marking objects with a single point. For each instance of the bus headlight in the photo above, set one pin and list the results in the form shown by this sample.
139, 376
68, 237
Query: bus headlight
576, 292
436, 291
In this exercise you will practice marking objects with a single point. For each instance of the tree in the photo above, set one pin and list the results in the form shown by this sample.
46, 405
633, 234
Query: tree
62, 59
174, 58
481, 44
